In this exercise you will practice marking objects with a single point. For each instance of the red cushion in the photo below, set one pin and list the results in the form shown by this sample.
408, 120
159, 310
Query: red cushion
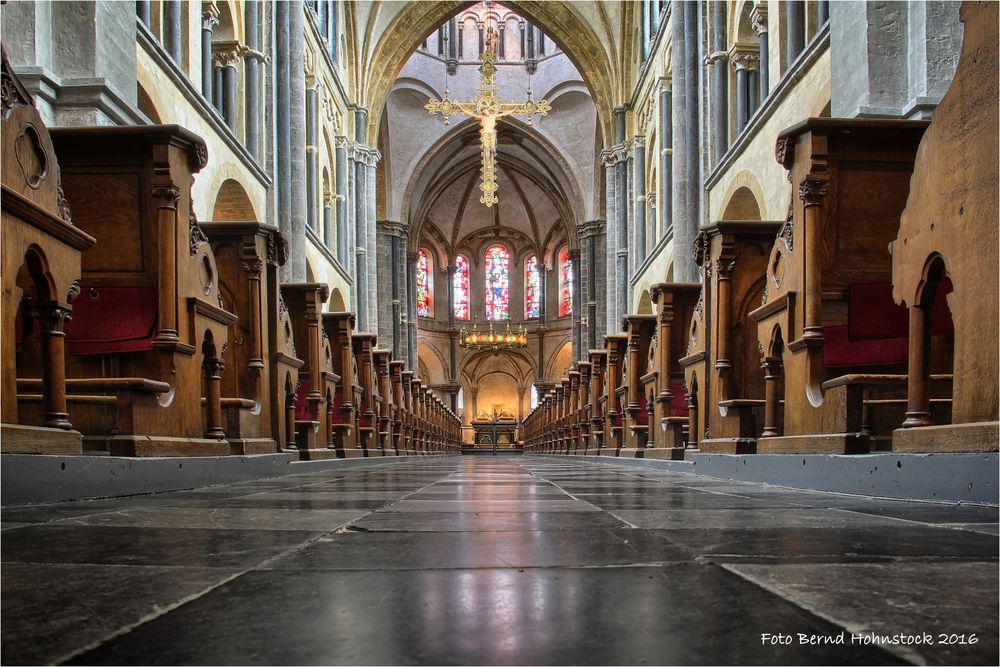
872, 313
302, 412
643, 418
108, 320
840, 351
679, 404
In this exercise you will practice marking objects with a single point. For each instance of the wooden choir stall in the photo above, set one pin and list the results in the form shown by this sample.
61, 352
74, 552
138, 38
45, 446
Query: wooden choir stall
41, 272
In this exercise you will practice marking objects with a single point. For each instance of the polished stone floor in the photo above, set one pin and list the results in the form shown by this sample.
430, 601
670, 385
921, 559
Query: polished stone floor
483, 560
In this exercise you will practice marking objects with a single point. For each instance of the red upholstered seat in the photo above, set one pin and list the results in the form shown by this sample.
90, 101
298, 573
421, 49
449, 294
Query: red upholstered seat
840, 351
110, 320
302, 401
643, 419
678, 406
872, 313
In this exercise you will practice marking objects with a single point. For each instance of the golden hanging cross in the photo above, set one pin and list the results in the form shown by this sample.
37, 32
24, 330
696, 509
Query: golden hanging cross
487, 108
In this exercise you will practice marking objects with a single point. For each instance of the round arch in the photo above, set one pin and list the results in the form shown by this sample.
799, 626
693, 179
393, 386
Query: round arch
232, 203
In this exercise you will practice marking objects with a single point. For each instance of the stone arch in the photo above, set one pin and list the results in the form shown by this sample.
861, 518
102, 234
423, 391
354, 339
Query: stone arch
433, 362
232, 203
560, 361
562, 21
146, 105
645, 304
337, 303
741, 205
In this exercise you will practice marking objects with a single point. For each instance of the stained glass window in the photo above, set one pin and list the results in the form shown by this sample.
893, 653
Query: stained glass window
532, 288
565, 283
497, 283
425, 284
461, 288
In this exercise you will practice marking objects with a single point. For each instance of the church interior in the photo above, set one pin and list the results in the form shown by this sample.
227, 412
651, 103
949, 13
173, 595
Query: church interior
500, 332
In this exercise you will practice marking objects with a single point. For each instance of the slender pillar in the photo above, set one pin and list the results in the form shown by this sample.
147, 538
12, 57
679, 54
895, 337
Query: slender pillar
795, 29
720, 81
686, 172
52, 318
329, 201
373, 300
312, 153
822, 12
229, 88
813, 191
666, 160
331, 29
918, 405
252, 59
644, 30
742, 95
758, 18
577, 296
213, 368
360, 247
411, 309
142, 11
166, 197
452, 46
772, 376
209, 19
340, 176
397, 296
173, 29
297, 140
281, 113
320, 13
611, 212
639, 185
216, 86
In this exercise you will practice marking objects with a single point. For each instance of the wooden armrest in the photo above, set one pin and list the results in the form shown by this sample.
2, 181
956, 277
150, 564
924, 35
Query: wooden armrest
870, 379
649, 377
901, 401
241, 403
103, 385
78, 399
742, 403
675, 420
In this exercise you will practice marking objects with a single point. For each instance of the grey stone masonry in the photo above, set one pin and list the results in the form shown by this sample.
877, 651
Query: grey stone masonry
892, 59
78, 59
686, 171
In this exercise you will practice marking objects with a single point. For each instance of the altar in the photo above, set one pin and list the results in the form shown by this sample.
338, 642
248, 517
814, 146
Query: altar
494, 432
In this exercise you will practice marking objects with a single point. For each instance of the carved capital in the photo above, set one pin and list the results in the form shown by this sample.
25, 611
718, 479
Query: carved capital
167, 195
813, 190
758, 19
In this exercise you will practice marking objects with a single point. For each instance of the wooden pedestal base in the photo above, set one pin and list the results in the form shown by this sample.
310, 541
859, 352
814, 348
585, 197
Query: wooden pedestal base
250, 446
137, 445
632, 452
18, 439
665, 453
832, 443
948, 438
728, 446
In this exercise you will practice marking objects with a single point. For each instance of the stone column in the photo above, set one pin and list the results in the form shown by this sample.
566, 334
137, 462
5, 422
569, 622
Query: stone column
609, 297
742, 94
142, 11
822, 12
360, 247
794, 27
411, 311
386, 281
312, 152
666, 158
329, 201
639, 194
686, 171
577, 297
758, 18
253, 57
331, 29
209, 19
173, 30
644, 30
297, 140
225, 59
373, 278
720, 81
282, 108
452, 64
320, 13
340, 183
399, 295
216, 100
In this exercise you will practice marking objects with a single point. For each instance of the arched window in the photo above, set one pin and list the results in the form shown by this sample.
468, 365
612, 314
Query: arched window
565, 283
532, 289
425, 284
497, 283
461, 288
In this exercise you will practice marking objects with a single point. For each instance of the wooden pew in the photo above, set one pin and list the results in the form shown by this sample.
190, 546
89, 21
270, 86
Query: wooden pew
674, 306
398, 407
583, 408
150, 304
948, 239
363, 345
384, 392
317, 377
261, 359
612, 398
339, 328
723, 351
850, 179
598, 367
639, 330
41, 271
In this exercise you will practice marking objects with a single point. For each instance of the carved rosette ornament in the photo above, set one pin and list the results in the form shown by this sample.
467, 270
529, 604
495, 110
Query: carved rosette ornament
699, 249
783, 149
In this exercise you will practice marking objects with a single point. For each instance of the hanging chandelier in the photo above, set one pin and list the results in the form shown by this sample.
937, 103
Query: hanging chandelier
489, 337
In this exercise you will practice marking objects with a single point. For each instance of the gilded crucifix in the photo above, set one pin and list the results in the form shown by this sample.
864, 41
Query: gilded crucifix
487, 108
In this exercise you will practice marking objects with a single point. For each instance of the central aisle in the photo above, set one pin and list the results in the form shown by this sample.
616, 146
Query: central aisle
481, 560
